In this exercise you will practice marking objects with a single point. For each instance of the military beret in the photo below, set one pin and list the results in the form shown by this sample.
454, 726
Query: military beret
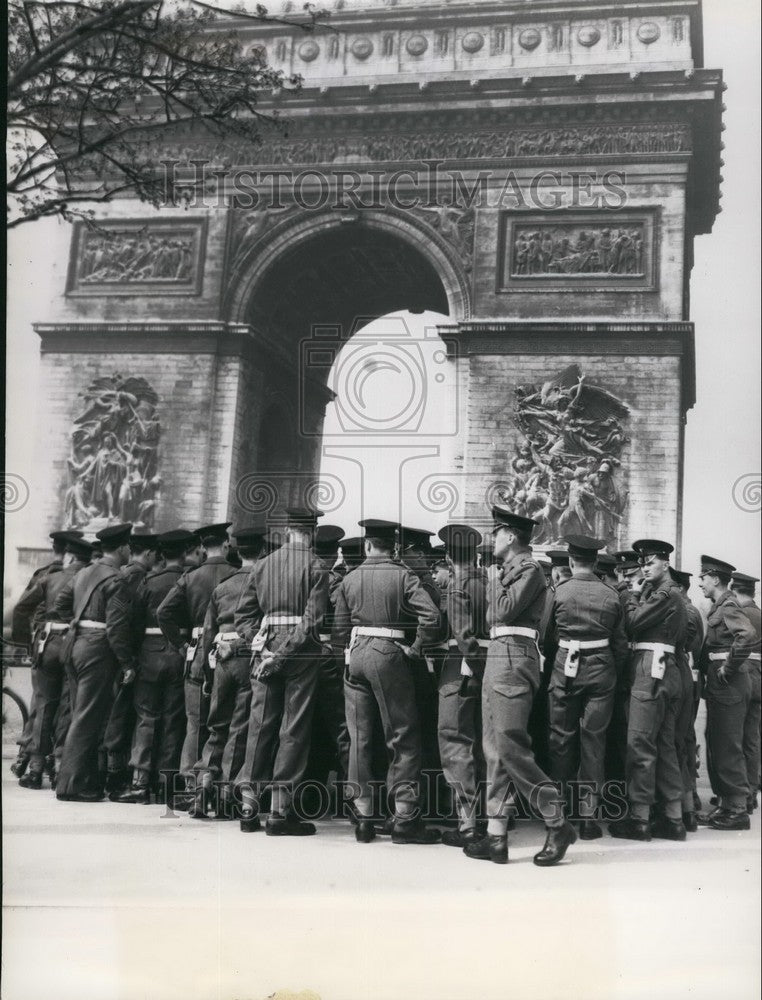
744, 578
115, 535
143, 542
711, 565
653, 547
505, 518
246, 534
376, 528
353, 547
460, 537
65, 534
215, 534
302, 517
583, 546
327, 538
558, 557
418, 537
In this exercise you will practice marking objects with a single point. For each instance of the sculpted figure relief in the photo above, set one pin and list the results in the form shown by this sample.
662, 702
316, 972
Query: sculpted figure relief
564, 471
113, 468
552, 250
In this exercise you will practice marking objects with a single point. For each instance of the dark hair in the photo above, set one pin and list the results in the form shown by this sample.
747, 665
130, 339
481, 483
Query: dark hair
173, 550
59, 546
744, 588
522, 535
385, 544
249, 551
586, 561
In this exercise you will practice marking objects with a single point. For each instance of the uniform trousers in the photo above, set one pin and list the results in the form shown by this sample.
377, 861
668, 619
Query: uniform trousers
228, 723
159, 701
511, 681
751, 735
49, 676
727, 704
685, 734
459, 735
652, 769
378, 679
92, 670
580, 714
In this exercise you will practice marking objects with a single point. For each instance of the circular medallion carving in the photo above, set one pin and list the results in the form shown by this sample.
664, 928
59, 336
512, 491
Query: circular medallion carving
588, 36
473, 41
529, 39
648, 32
362, 48
416, 45
309, 50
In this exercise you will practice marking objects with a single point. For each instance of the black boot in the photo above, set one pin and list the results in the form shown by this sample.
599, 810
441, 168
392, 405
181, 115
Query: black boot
20, 764
414, 831
559, 838
32, 779
690, 822
491, 847
459, 838
251, 825
751, 804
705, 819
136, 795
365, 831
116, 784
589, 830
631, 829
727, 820
664, 828
288, 826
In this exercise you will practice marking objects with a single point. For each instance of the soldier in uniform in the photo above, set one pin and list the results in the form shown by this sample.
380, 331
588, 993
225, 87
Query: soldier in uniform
656, 623
375, 605
460, 681
605, 569
515, 604
587, 641
280, 613
688, 655
743, 587
159, 693
730, 637
99, 647
48, 666
626, 571
329, 743
121, 723
226, 657
180, 616
559, 566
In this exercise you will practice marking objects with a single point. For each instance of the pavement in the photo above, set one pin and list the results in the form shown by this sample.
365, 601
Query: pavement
121, 902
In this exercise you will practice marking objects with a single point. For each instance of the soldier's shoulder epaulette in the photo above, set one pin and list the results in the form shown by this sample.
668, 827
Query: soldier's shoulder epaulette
562, 582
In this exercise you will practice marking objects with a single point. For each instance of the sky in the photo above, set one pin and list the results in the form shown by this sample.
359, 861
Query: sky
722, 445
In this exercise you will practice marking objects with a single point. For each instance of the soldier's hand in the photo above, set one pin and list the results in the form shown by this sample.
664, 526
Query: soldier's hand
184, 650
408, 651
637, 585
263, 669
722, 674
224, 651
128, 676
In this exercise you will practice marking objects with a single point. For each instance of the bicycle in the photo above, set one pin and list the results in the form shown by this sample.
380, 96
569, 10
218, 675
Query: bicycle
15, 709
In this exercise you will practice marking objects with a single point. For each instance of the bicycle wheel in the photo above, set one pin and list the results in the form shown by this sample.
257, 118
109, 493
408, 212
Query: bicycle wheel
15, 716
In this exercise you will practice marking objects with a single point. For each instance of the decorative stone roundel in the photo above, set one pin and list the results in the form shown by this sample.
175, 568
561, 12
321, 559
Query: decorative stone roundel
417, 45
362, 48
529, 39
648, 32
473, 41
309, 50
588, 36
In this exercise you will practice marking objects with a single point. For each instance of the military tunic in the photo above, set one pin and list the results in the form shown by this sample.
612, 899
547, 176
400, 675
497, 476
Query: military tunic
158, 690
293, 583
228, 724
181, 616
754, 712
584, 610
730, 638
383, 594
688, 656
516, 599
94, 658
459, 723
652, 768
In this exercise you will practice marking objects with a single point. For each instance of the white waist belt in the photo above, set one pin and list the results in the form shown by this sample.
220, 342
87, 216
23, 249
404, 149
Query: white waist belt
86, 623
324, 636
583, 643
281, 620
755, 656
378, 633
483, 643
719, 656
63, 627
153, 631
653, 647
197, 632
497, 631
226, 637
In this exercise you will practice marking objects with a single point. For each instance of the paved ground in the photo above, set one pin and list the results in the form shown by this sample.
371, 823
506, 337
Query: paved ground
119, 902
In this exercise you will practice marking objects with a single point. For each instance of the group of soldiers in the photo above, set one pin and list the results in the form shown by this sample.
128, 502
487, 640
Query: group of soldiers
234, 674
